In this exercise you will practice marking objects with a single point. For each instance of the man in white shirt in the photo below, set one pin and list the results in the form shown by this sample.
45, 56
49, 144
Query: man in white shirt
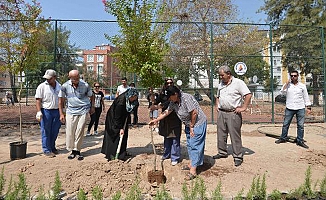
233, 98
122, 88
297, 100
47, 106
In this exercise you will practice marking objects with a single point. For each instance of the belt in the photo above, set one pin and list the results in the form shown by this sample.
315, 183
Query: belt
226, 110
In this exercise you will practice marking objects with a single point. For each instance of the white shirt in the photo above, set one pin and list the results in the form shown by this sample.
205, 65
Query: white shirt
48, 94
296, 96
122, 89
230, 96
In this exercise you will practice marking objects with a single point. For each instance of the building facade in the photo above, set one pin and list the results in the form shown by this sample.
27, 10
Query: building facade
99, 62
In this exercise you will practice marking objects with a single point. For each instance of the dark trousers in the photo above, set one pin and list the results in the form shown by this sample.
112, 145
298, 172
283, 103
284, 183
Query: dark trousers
95, 117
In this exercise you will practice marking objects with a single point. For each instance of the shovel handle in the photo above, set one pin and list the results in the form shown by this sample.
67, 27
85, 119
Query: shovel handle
119, 147
120, 140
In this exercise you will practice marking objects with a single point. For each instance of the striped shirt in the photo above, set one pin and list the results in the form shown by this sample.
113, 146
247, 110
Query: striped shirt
78, 102
187, 104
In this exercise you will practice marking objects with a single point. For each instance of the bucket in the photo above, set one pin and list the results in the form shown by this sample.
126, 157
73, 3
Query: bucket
18, 150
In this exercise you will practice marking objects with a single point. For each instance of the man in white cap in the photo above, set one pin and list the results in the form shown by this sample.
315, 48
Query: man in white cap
47, 106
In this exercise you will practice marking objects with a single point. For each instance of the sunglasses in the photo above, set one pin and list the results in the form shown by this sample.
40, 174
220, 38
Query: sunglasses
97, 86
293, 75
169, 82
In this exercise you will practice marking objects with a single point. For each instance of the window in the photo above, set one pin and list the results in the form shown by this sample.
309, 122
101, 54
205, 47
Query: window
90, 68
100, 58
90, 58
100, 68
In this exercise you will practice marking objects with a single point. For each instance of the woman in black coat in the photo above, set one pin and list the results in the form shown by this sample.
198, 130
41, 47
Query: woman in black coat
116, 124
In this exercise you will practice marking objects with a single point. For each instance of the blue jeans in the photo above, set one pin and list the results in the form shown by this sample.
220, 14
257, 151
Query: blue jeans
300, 114
196, 144
172, 148
50, 125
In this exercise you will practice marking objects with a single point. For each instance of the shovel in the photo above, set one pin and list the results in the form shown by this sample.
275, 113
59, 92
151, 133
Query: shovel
156, 175
120, 141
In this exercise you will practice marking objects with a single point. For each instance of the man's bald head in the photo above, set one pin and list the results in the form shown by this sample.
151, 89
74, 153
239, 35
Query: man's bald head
74, 76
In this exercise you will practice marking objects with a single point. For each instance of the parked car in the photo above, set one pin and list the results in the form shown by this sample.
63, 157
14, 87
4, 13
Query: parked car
109, 97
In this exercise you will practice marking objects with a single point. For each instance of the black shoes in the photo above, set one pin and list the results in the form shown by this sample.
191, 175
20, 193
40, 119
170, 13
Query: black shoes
75, 154
281, 140
218, 156
237, 163
302, 144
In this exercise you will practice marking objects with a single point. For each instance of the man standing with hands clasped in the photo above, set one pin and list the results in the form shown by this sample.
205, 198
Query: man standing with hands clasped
47, 106
229, 106
297, 100
80, 101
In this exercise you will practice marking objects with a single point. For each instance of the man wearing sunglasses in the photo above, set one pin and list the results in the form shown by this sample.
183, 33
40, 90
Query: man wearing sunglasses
297, 101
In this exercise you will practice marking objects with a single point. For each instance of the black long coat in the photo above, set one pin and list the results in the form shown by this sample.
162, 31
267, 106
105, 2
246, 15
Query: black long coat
115, 120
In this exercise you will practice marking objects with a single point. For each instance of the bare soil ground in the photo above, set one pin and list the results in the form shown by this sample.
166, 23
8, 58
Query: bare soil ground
283, 164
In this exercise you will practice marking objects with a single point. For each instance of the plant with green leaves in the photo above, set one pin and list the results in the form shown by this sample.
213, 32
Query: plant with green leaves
307, 185
81, 195
134, 193
257, 189
18, 190
141, 44
217, 195
239, 195
57, 187
197, 190
162, 194
116, 196
275, 195
20, 41
299, 25
323, 187
97, 193
2, 181
41, 194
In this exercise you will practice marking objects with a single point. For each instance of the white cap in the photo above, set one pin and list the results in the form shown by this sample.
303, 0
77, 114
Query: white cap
49, 74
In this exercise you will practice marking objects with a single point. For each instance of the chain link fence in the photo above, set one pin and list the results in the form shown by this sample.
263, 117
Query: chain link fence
197, 49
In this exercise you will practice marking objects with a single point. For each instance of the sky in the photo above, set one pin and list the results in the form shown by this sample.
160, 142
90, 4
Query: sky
88, 35
94, 9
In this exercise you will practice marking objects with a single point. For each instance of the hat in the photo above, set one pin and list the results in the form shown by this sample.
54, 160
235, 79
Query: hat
49, 74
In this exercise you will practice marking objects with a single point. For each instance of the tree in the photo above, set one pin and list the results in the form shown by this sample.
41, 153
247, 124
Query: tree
297, 24
141, 44
20, 38
56, 52
202, 27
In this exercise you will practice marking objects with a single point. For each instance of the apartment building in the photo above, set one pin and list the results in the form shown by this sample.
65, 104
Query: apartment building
100, 63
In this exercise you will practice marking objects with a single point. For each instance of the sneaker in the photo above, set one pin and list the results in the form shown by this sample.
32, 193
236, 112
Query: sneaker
157, 130
95, 133
88, 133
49, 155
174, 163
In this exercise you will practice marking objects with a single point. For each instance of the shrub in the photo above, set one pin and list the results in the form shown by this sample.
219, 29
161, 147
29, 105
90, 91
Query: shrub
217, 192
134, 192
162, 194
257, 189
323, 187
97, 193
81, 195
275, 195
2, 181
